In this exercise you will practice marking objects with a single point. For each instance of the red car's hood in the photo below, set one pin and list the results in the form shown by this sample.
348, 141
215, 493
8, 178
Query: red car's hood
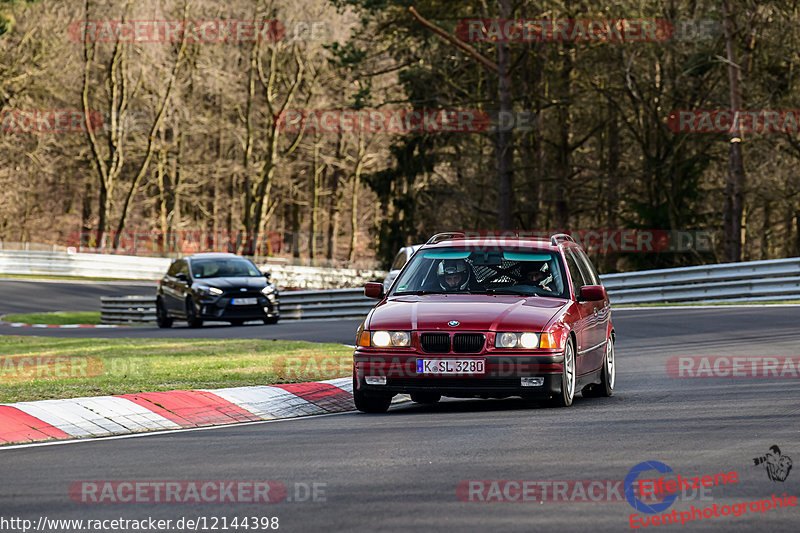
473, 311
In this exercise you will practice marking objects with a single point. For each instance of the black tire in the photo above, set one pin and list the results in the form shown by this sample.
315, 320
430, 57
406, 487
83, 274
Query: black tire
608, 375
564, 399
425, 397
271, 320
237, 322
191, 315
162, 319
370, 403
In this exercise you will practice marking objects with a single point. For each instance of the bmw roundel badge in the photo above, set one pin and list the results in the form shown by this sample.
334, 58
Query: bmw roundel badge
454, 323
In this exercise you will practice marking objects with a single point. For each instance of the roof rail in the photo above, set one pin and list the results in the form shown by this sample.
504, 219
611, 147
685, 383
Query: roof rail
446, 236
555, 239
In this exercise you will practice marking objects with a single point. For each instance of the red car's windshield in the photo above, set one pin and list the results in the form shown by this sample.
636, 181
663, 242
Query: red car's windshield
486, 270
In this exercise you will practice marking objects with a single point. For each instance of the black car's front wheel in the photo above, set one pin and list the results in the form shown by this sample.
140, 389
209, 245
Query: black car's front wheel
162, 319
191, 315
564, 399
370, 403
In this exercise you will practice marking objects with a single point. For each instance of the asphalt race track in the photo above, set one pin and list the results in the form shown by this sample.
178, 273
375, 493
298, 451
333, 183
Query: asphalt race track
400, 471
24, 296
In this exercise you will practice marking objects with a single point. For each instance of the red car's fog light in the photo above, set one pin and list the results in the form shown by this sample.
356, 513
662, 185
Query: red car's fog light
531, 382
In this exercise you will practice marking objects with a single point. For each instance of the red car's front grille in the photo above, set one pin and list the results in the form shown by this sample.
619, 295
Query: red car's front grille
461, 342
435, 342
468, 342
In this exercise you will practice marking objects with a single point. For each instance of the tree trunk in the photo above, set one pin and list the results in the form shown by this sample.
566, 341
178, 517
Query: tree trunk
504, 143
351, 254
734, 185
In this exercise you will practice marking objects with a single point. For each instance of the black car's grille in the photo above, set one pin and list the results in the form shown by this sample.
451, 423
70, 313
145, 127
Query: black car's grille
435, 342
237, 293
468, 342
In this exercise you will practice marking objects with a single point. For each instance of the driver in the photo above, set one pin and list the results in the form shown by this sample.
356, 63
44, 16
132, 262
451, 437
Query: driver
453, 274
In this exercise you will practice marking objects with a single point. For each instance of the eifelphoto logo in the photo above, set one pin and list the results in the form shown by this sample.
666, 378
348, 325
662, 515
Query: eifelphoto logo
175, 31
730, 121
665, 487
730, 367
25, 368
49, 121
775, 463
202, 492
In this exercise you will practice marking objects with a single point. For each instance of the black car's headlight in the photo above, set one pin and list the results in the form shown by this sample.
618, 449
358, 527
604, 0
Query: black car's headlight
210, 291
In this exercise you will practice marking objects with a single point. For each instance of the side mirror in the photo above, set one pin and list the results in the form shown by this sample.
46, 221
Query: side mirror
180, 276
592, 293
373, 290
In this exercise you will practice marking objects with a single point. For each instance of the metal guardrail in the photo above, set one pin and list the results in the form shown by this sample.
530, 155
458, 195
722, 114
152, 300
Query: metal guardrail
153, 268
750, 281
747, 281
294, 305
127, 309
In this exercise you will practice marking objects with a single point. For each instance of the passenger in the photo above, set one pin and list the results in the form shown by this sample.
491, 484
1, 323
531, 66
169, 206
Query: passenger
536, 274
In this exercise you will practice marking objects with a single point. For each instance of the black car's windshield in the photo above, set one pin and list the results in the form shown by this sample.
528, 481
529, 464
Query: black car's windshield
223, 268
494, 270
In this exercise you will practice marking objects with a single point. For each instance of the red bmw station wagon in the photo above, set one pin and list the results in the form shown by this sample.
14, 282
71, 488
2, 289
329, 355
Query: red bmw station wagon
488, 318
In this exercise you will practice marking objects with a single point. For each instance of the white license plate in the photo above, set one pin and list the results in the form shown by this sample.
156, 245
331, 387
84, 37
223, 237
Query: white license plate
244, 301
451, 366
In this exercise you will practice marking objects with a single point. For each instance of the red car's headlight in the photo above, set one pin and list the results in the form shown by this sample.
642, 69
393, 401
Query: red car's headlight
525, 340
385, 339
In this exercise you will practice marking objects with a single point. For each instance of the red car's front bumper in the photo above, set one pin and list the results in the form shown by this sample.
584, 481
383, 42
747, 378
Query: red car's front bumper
501, 377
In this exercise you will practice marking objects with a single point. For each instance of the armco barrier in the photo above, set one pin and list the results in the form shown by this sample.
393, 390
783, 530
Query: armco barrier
153, 268
127, 309
294, 305
747, 281
754, 281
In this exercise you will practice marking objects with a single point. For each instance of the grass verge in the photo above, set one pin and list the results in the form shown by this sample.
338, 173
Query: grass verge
59, 318
40, 368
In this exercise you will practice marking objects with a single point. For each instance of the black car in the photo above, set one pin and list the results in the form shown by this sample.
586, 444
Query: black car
215, 286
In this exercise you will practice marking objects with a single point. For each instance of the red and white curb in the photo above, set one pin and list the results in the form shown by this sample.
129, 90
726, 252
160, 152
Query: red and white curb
101, 416
64, 326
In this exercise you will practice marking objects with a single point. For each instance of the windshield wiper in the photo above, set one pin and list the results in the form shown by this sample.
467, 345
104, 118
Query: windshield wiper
503, 291
415, 293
